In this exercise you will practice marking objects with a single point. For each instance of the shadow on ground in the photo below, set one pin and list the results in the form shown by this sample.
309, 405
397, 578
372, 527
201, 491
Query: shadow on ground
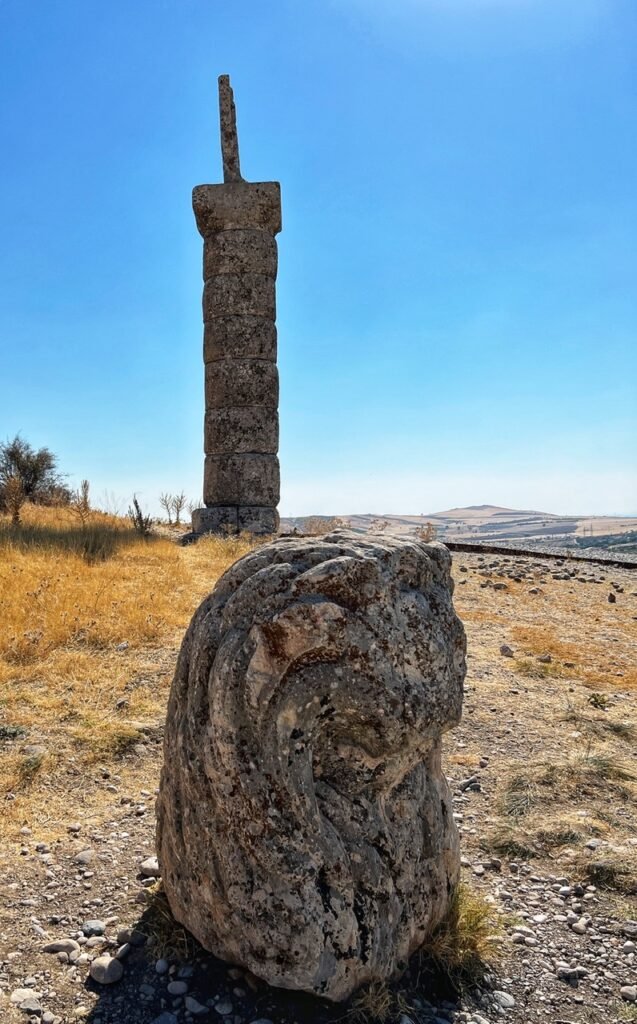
215, 991
94, 542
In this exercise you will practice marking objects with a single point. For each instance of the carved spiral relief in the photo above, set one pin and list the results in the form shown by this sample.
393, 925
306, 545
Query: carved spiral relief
304, 823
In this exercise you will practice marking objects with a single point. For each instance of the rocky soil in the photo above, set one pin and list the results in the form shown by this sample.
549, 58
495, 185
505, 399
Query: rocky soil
543, 770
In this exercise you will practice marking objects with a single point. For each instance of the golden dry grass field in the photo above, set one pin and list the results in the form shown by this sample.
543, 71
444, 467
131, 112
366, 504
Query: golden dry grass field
87, 649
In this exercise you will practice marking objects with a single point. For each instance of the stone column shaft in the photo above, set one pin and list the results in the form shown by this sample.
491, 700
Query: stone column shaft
238, 222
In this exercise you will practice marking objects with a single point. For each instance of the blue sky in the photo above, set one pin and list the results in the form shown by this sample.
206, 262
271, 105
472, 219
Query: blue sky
457, 291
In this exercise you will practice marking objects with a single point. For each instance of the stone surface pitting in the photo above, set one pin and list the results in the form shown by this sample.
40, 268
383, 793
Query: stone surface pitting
304, 824
243, 430
238, 222
236, 479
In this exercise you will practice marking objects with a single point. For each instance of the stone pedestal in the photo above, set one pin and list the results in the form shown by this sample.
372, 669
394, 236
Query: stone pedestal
238, 221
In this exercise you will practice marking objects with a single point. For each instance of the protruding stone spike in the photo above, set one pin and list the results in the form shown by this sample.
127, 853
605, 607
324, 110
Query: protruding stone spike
228, 127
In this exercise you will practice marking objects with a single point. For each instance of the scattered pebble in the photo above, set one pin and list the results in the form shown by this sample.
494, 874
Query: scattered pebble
106, 970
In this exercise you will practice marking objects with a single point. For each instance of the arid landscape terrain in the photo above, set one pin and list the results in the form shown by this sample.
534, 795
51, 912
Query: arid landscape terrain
492, 524
543, 770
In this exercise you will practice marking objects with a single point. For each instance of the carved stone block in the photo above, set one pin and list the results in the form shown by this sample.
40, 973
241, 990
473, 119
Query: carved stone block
305, 827
241, 480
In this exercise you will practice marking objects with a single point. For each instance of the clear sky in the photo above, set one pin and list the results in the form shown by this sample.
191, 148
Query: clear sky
457, 291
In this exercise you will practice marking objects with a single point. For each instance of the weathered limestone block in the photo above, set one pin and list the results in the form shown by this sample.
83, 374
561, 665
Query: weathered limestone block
220, 519
242, 294
247, 251
263, 522
305, 827
239, 337
242, 430
236, 205
232, 382
241, 480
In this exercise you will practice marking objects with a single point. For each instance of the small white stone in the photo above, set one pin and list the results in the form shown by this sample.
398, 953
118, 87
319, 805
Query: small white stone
150, 868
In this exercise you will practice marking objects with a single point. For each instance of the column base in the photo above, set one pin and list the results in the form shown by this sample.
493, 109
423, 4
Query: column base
230, 520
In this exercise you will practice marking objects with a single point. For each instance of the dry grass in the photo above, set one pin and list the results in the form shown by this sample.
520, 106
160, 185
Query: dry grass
590, 775
597, 663
165, 936
540, 806
467, 944
374, 1003
87, 648
463, 949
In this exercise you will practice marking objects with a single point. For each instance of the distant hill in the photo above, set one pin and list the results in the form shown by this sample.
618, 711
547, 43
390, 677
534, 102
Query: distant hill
493, 523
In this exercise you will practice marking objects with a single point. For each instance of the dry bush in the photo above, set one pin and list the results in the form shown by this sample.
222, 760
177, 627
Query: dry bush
375, 1003
141, 522
319, 526
466, 945
14, 498
81, 503
541, 804
427, 532
464, 948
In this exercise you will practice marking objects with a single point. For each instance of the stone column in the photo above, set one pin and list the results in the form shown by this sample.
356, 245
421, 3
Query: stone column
239, 221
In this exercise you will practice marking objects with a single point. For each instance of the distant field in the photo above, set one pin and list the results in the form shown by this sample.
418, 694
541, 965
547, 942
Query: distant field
491, 523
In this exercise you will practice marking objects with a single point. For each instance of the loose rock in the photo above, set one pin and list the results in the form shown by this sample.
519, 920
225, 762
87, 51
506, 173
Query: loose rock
106, 970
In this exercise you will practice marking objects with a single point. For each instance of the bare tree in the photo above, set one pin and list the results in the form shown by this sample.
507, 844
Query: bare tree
14, 497
192, 506
166, 502
178, 505
81, 503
